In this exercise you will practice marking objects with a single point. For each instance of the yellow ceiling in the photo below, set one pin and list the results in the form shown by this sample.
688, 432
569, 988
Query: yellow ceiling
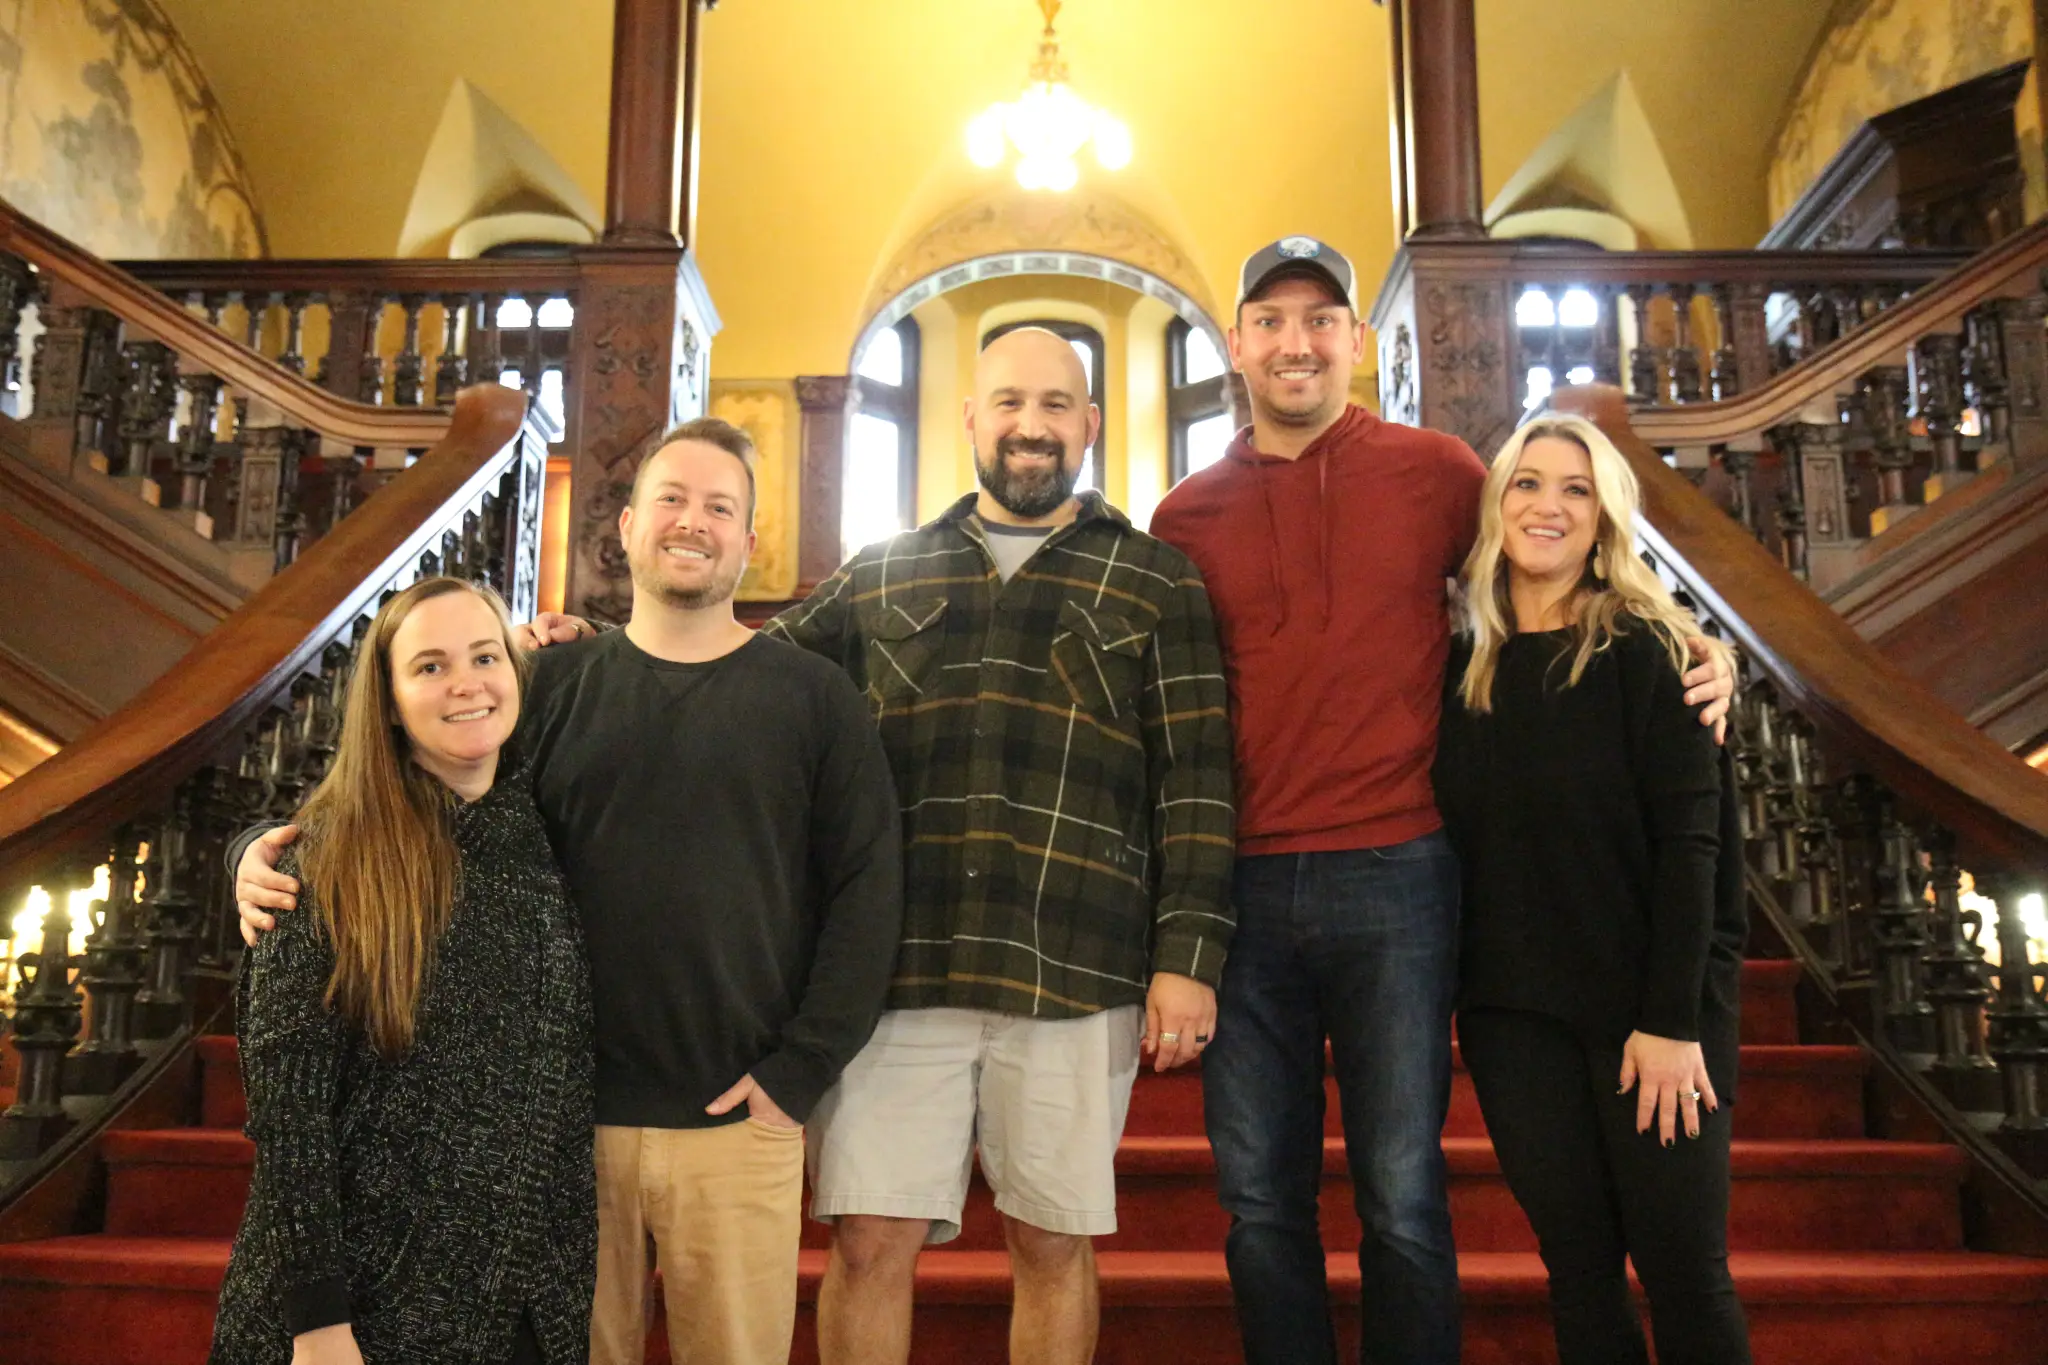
832, 128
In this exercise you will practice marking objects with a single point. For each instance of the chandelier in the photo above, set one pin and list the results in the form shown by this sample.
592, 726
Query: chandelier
1048, 124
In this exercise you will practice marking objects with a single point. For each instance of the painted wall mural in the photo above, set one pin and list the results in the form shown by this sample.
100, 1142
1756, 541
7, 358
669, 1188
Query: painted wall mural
110, 135
1879, 54
767, 410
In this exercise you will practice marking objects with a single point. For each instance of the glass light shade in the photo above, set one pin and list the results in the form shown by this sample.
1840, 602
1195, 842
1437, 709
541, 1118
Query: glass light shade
985, 137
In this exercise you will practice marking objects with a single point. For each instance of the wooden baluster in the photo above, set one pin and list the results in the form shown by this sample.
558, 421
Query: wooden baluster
1724, 381
1685, 361
170, 917
149, 400
266, 486
1899, 929
1607, 336
1790, 441
2018, 1018
1847, 302
112, 975
1645, 365
408, 374
46, 1021
195, 444
1935, 376
1983, 369
1740, 466
451, 371
370, 374
1955, 975
1820, 861
293, 357
78, 372
536, 354
1557, 357
1881, 397
487, 343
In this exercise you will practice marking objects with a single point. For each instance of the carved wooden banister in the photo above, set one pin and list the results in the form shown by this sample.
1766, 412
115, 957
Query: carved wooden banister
542, 275
149, 312
1869, 807
2012, 269
240, 729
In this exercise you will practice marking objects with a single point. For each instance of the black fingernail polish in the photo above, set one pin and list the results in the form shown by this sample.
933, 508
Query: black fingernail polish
1668, 1142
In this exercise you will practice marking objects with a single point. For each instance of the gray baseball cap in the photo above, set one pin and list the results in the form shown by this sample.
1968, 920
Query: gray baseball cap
1296, 258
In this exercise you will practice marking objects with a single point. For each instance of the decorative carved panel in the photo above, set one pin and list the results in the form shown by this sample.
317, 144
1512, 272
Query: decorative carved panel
1466, 389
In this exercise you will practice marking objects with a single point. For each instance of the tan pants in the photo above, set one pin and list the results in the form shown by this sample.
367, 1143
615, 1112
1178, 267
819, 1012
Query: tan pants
720, 1209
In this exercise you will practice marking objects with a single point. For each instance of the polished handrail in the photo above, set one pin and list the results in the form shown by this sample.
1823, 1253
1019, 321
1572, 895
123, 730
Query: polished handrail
275, 275
147, 310
1996, 805
132, 757
2012, 268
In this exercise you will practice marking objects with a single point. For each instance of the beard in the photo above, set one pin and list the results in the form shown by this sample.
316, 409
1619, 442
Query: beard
1027, 493
1300, 412
648, 578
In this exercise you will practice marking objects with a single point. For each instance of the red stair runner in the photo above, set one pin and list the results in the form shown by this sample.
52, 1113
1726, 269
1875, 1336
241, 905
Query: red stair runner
1847, 1251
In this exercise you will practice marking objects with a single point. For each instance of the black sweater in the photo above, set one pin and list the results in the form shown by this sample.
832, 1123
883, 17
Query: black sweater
730, 835
1601, 864
427, 1200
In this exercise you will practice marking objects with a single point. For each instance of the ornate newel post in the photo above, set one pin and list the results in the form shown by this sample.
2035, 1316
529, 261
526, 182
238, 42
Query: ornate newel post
644, 320
112, 975
2018, 1019
1957, 981
828, 402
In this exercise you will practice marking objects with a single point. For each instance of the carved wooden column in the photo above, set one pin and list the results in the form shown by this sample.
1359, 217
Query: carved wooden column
1446, 327
1440, 84
827, 401
640, 351
650, 189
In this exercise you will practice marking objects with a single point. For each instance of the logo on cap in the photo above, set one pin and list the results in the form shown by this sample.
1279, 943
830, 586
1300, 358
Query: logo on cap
1300, 248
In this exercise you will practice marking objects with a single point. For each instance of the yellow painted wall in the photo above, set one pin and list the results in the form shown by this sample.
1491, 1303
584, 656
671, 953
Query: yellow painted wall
1879, 54
110, 135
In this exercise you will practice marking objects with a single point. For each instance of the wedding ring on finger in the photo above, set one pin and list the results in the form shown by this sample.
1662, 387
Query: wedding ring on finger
1692, 1094
1169, 1037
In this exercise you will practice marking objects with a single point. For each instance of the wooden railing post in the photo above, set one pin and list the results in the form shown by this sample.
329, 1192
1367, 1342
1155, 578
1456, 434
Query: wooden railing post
47, 1014
827, 401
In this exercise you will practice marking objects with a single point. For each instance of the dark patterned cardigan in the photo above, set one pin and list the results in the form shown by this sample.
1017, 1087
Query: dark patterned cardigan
430, 1200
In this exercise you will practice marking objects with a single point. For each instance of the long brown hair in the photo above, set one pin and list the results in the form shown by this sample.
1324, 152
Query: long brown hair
378, 853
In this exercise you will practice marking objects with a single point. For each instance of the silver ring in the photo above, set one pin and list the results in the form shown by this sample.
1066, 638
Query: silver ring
1692, 1094
1169, 1037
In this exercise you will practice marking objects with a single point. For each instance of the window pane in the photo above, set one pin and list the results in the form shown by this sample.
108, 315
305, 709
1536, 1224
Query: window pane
1087, 478
870, 502
1582, 374
551, 394
1534, 309
1199, 359
558, 313
515, 313
1540, 382
1578, 308
882, 361
512, 379
1086, 351
1208, 439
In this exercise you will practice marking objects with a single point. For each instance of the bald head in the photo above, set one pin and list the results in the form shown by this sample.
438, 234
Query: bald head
1031, 358
1031, 424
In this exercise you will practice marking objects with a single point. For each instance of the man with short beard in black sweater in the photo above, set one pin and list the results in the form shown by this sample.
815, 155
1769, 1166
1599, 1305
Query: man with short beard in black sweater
723, 811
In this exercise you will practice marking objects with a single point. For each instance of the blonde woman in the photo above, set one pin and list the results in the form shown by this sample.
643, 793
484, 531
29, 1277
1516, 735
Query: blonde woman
416, 1047
1603, 918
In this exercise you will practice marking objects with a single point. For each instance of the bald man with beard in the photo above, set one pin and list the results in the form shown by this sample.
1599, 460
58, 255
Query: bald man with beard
1051, 698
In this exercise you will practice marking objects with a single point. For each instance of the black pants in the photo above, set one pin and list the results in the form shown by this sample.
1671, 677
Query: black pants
525, 1345
1597, 1191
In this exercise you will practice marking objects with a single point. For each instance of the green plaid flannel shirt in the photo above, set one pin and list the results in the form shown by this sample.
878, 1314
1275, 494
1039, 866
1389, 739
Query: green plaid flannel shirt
1061, 746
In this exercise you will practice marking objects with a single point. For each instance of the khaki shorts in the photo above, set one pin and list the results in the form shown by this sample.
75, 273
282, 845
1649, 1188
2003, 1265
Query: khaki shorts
1044, 1099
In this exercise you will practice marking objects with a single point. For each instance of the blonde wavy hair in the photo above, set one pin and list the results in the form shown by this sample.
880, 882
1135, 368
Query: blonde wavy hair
1614, 585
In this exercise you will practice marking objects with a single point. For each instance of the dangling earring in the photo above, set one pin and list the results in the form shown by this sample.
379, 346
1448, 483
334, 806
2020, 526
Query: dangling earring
1600, 563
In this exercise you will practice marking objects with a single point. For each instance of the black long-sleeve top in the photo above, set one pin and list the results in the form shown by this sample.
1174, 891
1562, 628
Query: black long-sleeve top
1601, 863
431, 1199
730, 835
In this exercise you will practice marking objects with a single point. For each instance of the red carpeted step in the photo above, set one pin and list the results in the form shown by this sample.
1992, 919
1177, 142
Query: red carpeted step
1770, 1008
176, 1182
1787, 1092
150, 1302
1808, 1196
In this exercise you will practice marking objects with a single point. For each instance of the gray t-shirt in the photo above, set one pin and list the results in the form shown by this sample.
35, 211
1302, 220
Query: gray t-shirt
1012, 545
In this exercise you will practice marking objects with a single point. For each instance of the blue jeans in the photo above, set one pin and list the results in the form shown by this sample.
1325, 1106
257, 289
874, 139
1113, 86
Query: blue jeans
1359, 946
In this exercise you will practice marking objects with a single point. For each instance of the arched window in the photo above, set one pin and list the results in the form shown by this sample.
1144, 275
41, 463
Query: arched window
1087, 344
879, 497
1197, 402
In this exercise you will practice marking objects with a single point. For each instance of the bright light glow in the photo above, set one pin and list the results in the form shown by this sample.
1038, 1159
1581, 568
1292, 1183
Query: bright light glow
1579, 374
1541, 382
26, 928
1112, 142
1578, 308
557, 313
1048, 125
1199, 358
1534, 309
1087, 356
882, 360
512, 379
551, 394
869, 502
1208, 439
515, 313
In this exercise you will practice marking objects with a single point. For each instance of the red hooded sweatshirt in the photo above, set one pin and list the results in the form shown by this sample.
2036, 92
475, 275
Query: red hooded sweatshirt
1327, 578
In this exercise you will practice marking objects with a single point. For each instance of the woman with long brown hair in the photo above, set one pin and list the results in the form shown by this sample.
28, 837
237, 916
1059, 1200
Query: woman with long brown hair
1603, 910
416, 1048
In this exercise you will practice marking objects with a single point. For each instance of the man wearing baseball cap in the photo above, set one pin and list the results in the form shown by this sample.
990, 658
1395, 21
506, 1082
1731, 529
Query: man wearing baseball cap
1326, 537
